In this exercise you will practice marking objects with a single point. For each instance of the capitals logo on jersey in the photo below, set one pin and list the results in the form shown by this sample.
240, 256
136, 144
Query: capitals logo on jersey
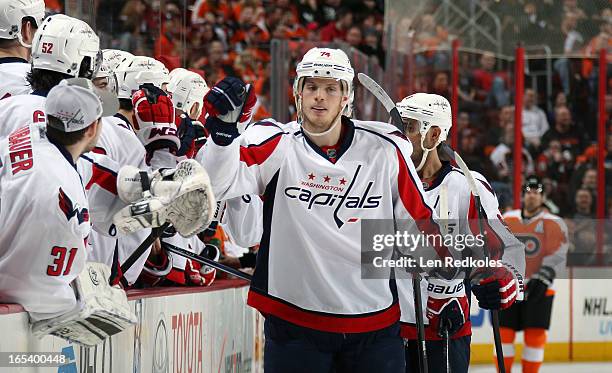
68, 208
337, 196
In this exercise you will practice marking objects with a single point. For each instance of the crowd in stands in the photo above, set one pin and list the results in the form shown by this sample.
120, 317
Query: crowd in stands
232, 37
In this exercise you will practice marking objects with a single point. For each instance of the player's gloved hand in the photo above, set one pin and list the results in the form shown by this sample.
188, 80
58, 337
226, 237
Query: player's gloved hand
154, 119
187, 135
539, 283
229, 105
496, 289
209, 273
192, 274
447, 306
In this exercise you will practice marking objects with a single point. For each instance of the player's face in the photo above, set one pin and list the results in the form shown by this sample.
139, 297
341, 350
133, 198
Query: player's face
101, 83
322, 100
412, 132
96, 135
532, 200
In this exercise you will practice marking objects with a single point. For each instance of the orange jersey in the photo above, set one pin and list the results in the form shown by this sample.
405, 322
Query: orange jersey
545, 238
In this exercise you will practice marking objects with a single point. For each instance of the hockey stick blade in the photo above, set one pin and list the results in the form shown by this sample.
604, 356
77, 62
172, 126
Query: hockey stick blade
209, 262
382, 96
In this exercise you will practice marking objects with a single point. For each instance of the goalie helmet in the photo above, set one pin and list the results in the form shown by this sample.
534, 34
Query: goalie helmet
12, 12
429, 110
187, 88
132, 72
66, 45
111, 58
325, 63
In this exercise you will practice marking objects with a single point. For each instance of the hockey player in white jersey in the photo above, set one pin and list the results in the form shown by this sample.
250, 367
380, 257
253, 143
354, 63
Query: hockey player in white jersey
63, 47
19, 20
427, 120
40, 187
157, 117
318, 184
119, 142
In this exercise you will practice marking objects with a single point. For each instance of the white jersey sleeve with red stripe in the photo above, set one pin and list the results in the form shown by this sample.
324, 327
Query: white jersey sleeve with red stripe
13, 71
45, 223
248, 163
99, 174
501, 242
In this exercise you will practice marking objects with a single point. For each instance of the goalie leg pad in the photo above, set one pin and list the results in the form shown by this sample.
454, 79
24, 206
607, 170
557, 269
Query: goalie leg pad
102, 310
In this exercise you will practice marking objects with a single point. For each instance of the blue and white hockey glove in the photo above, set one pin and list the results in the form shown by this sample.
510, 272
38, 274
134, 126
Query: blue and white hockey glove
229, 105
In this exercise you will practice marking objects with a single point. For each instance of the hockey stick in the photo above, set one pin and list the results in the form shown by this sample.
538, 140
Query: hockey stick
396, 119
129, 262
444, 229
209, 262
474, 189
445, 351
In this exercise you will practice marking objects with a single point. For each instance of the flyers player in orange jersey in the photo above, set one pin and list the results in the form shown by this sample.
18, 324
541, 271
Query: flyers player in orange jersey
546, 241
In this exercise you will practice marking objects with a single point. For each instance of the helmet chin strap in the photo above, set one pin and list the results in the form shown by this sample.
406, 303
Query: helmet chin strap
425, 153
20, 38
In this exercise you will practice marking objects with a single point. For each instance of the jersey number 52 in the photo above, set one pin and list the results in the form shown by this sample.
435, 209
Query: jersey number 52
59, 263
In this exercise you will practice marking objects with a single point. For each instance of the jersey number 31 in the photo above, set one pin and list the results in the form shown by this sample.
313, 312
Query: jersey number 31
60, 263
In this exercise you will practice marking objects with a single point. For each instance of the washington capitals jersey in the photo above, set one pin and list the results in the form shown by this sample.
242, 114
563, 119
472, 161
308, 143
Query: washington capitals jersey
13, 71
18, 111
462, 218
45, 219
545, 237
118, 142
309, 262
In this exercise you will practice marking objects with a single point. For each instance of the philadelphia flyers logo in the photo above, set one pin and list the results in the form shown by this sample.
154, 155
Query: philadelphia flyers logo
532, 244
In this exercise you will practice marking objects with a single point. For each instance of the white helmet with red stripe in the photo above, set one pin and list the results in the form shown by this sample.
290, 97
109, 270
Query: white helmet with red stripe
325, 63
12, 13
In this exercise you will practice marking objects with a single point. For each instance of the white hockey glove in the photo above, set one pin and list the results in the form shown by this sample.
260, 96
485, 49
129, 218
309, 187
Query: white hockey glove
102, 310
182, 196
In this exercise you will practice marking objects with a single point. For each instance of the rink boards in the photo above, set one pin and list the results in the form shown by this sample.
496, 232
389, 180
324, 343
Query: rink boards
179, 331
581, 325
212, 330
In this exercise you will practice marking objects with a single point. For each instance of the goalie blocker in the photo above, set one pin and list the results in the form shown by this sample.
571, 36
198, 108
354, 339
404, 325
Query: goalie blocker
181, 196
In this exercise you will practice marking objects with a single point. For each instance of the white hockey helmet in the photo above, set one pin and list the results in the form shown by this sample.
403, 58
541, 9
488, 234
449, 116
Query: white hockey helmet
12, 13
132, 72
111, 58
429, 110
187, 88
325, 63
66, 45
